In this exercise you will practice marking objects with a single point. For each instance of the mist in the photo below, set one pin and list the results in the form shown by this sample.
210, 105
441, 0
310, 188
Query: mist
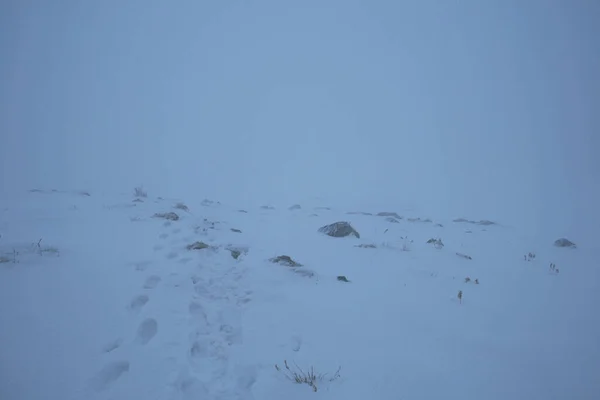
487, 110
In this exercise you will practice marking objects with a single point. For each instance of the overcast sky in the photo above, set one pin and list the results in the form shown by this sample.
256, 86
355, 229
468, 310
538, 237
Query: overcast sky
484, 109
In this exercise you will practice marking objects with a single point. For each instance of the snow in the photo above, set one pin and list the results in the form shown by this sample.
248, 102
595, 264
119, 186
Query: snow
111, 305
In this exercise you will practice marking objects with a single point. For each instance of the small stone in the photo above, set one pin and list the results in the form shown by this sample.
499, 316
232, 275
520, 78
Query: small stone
342, 278
197, 246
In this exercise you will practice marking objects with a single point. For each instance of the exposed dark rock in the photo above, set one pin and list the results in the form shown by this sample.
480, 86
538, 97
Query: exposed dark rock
171, 216
197, 246
342, 278
235, 230
464, 256
388, 214
181, 206
235, 253
418, 220
285, 260
483, 222
304, 272
339, 229
366, 246
243, 211
563, 242
267, 207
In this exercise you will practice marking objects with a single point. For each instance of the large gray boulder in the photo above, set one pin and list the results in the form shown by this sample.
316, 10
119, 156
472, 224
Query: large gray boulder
562, 242
339, 229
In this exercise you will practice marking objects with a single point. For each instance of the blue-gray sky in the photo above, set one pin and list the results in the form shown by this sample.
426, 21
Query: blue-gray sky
485, 109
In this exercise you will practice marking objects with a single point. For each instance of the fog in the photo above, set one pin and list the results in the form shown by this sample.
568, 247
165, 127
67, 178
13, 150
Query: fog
482, 109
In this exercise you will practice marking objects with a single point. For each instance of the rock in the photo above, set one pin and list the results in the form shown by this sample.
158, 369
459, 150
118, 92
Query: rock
418, 220
388, 214
304, 272
285, 260
235, 230
464, 256
294, 207
267, 207
358, 213
485, 222
562, 242
181, 206
243, 211
339, 229
342, 278
392, 220
237, 251
171, 216
366, 246
197, 246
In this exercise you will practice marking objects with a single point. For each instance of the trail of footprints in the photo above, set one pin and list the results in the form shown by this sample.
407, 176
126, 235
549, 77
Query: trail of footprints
210, 333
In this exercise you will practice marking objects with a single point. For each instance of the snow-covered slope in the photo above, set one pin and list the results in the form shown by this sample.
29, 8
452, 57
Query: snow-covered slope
111, 304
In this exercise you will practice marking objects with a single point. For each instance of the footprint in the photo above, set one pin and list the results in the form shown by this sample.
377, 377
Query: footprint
198, 350
152, 281
142, 265
110, 373
185, 260
158, 247
176, 231
296, 343
196, 310
113, 345
163, 235
188, 386
172, 255
147, 330
138, 302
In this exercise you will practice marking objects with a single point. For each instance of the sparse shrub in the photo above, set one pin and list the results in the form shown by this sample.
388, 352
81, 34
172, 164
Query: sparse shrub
460, 296
310, 377
41, 250
467, 279
477, 281
437, 243
140, 192
553, 268
342, 278
529, 257
406, 243
171, 216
